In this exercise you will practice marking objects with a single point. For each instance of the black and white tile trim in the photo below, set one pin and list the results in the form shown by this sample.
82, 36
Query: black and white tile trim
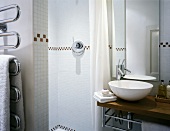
40, 38
164, 44
86, 48
120, 49
61, 127
65, 48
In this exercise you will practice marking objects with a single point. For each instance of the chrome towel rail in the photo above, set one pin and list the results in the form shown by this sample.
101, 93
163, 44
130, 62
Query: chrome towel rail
10, 34
15, 70
3, 26
15, 122
15, 94
14, 6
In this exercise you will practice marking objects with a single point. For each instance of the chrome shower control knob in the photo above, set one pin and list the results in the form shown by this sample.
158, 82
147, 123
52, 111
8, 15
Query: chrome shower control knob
79, 45
78, 48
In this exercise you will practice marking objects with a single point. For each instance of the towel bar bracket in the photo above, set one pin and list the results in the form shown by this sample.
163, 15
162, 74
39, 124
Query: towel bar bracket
3, 27
17, 69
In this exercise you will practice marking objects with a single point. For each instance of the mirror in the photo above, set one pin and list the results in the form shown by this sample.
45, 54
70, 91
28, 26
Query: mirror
140, 43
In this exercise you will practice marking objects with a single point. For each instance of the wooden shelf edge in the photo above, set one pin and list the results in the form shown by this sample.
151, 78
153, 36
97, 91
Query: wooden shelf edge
148, 107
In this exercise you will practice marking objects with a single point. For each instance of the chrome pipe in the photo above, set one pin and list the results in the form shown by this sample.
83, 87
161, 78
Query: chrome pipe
129, 117
17, 93
115, 128
103, 117
16, 118
10, 46
14, 6
17, 67
133, 121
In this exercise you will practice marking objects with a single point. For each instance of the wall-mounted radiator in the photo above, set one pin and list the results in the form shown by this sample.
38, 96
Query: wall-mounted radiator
15, 94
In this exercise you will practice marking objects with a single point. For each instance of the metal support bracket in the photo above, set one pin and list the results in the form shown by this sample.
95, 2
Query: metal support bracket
3, 27
129, 119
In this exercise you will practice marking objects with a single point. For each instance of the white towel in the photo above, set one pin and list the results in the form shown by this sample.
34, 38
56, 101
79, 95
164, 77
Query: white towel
5, 93
149, 126
100, 98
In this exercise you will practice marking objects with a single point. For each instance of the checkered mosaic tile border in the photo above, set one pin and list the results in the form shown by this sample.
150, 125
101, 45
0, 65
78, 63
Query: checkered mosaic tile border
65, 48
110, 46
86, 48
41, 38
120, 49
164, 44
117, 49
61, 127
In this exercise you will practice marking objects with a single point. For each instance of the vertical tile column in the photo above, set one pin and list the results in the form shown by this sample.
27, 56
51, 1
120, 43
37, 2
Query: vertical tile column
165, 40
40, 29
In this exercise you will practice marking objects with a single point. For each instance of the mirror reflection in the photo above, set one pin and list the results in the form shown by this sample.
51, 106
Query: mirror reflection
141, 22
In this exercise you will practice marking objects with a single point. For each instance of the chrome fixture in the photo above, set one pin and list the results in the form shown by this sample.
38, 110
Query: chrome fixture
106, 117
15, 122
10, 46
78, 48
16, 68
125, 69
121, 70
15, 91
14, 6
3, 27
15, 94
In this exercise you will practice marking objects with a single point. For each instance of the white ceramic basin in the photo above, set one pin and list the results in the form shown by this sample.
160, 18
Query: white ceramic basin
130, 90
139, 77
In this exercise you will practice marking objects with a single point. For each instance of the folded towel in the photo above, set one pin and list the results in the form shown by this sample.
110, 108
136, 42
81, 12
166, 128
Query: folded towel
5, 106
100, 98
149, 126
103, 101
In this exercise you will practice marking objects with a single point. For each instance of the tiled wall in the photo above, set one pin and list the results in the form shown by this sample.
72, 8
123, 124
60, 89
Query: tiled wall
69, 93
165, 41
66, 88
40, 29
65, 85
69, 101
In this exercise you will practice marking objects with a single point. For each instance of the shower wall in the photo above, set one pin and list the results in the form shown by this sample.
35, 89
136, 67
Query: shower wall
69, 92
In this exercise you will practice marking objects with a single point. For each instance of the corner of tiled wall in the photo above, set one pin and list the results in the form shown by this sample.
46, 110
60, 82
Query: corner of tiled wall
164, 41
40, 20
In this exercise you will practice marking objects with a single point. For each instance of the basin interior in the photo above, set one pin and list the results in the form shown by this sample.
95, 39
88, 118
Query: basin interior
129, 84
139, 77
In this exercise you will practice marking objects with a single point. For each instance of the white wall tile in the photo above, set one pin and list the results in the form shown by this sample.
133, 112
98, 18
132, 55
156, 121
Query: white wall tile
40, 24
69, 93
164, 37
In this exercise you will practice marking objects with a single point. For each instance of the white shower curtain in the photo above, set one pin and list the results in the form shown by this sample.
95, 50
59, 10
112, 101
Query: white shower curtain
99, 59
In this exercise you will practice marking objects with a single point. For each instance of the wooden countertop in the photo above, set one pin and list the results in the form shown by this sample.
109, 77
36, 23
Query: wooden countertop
147, 107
